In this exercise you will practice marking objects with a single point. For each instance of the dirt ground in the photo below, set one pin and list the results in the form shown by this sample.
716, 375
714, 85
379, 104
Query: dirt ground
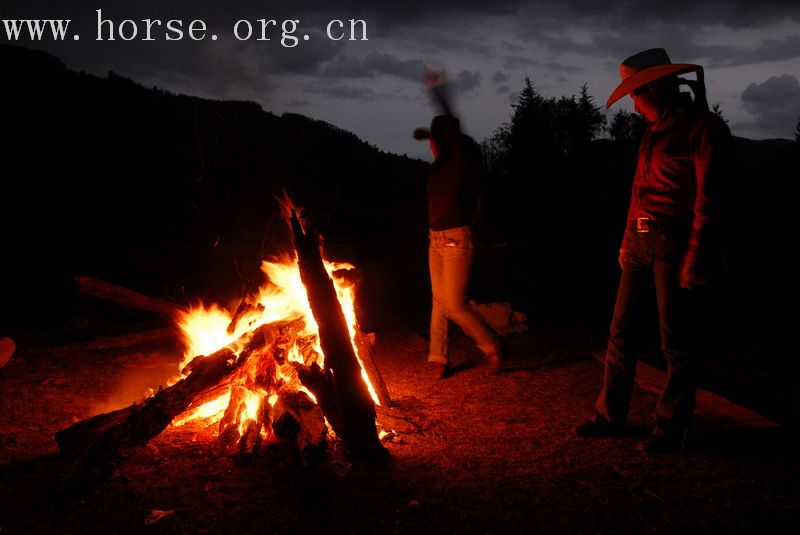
473, 454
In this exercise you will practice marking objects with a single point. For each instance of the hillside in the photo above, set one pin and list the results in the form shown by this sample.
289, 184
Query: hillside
172, 194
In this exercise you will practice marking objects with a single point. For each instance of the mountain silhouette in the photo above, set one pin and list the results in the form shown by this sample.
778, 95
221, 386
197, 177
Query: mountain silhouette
172, 195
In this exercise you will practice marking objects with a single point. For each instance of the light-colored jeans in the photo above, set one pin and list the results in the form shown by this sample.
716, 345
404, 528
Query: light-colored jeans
450, 259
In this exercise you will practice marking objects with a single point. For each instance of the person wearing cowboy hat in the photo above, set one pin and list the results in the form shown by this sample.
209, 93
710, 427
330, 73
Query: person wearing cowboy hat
668, 243
453, 196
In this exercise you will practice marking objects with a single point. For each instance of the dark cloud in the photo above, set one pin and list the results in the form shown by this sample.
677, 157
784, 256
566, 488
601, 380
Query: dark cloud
627, 13
411, 69
499, 77
295, 102
768, 50
512, 47
375, 64
553, 40
619, 29
775, 104
431, 40
515, 62
341, 92
346, 67
682, 44
305, 58
466, 81
561, 67
735, 14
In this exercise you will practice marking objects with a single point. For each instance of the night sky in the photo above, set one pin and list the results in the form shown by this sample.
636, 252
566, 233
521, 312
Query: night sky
751, 52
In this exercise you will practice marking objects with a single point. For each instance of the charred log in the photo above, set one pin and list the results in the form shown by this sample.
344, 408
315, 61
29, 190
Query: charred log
343, 373
250, 442
353, 278
249, 306
297, 418
365, 352
132, 339
322, 385
103, 437
122, 296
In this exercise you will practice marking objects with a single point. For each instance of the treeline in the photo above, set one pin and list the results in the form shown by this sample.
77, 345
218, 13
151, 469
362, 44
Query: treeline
174, 196
558, 191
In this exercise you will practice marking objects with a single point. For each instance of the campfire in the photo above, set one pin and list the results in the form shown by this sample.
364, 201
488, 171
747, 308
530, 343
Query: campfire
290, 363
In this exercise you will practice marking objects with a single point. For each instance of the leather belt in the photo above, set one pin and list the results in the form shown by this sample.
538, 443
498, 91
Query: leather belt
643, 225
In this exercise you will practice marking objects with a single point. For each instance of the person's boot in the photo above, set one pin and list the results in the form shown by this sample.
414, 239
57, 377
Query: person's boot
597, 429
497, 359
661, 442
443, 371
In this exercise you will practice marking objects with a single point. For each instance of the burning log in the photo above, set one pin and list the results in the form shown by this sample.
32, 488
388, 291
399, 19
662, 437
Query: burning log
363, 345
105, 435
321, 384
122, 296
248, 306
371, 369
296, 417
355, 421
132, 339
251, 439
238, 432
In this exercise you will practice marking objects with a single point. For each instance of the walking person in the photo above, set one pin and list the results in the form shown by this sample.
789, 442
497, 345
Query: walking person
669, 240
453, 196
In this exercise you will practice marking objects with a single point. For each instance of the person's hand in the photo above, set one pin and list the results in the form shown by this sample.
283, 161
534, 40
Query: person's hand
692, 276
621, 258
434, 78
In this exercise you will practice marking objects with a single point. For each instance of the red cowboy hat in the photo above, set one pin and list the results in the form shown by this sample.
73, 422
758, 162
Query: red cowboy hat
645, 67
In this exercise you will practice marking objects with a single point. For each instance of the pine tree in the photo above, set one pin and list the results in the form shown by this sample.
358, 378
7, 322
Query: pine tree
627, 127
592, 119
495, 149
528, 97
797, 132
716, 110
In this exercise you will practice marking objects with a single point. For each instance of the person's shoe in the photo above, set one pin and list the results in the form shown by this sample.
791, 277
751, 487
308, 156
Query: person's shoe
661, 443
497, 359
595, 429
443, 371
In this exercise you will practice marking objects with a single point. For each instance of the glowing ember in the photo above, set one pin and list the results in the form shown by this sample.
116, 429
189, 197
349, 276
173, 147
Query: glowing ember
212, 410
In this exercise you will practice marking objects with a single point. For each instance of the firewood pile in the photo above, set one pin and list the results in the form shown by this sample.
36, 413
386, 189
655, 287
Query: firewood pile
276, 381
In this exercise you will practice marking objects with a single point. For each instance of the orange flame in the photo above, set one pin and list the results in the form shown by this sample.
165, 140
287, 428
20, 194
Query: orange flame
283, 297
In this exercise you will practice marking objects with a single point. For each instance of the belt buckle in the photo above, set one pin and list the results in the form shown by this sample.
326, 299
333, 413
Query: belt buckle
643, 224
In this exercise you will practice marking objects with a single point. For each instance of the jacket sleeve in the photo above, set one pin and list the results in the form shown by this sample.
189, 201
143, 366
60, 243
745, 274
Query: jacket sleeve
629, 219
711, 147
441, 98
637, 178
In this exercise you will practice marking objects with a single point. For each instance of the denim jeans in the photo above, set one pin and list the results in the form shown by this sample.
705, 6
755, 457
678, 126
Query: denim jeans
651, 259
450, 260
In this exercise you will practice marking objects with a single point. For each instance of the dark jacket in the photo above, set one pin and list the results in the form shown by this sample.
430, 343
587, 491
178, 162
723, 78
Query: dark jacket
682, 162
454, 182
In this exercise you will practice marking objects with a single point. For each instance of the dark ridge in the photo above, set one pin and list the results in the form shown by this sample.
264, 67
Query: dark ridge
170, 194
